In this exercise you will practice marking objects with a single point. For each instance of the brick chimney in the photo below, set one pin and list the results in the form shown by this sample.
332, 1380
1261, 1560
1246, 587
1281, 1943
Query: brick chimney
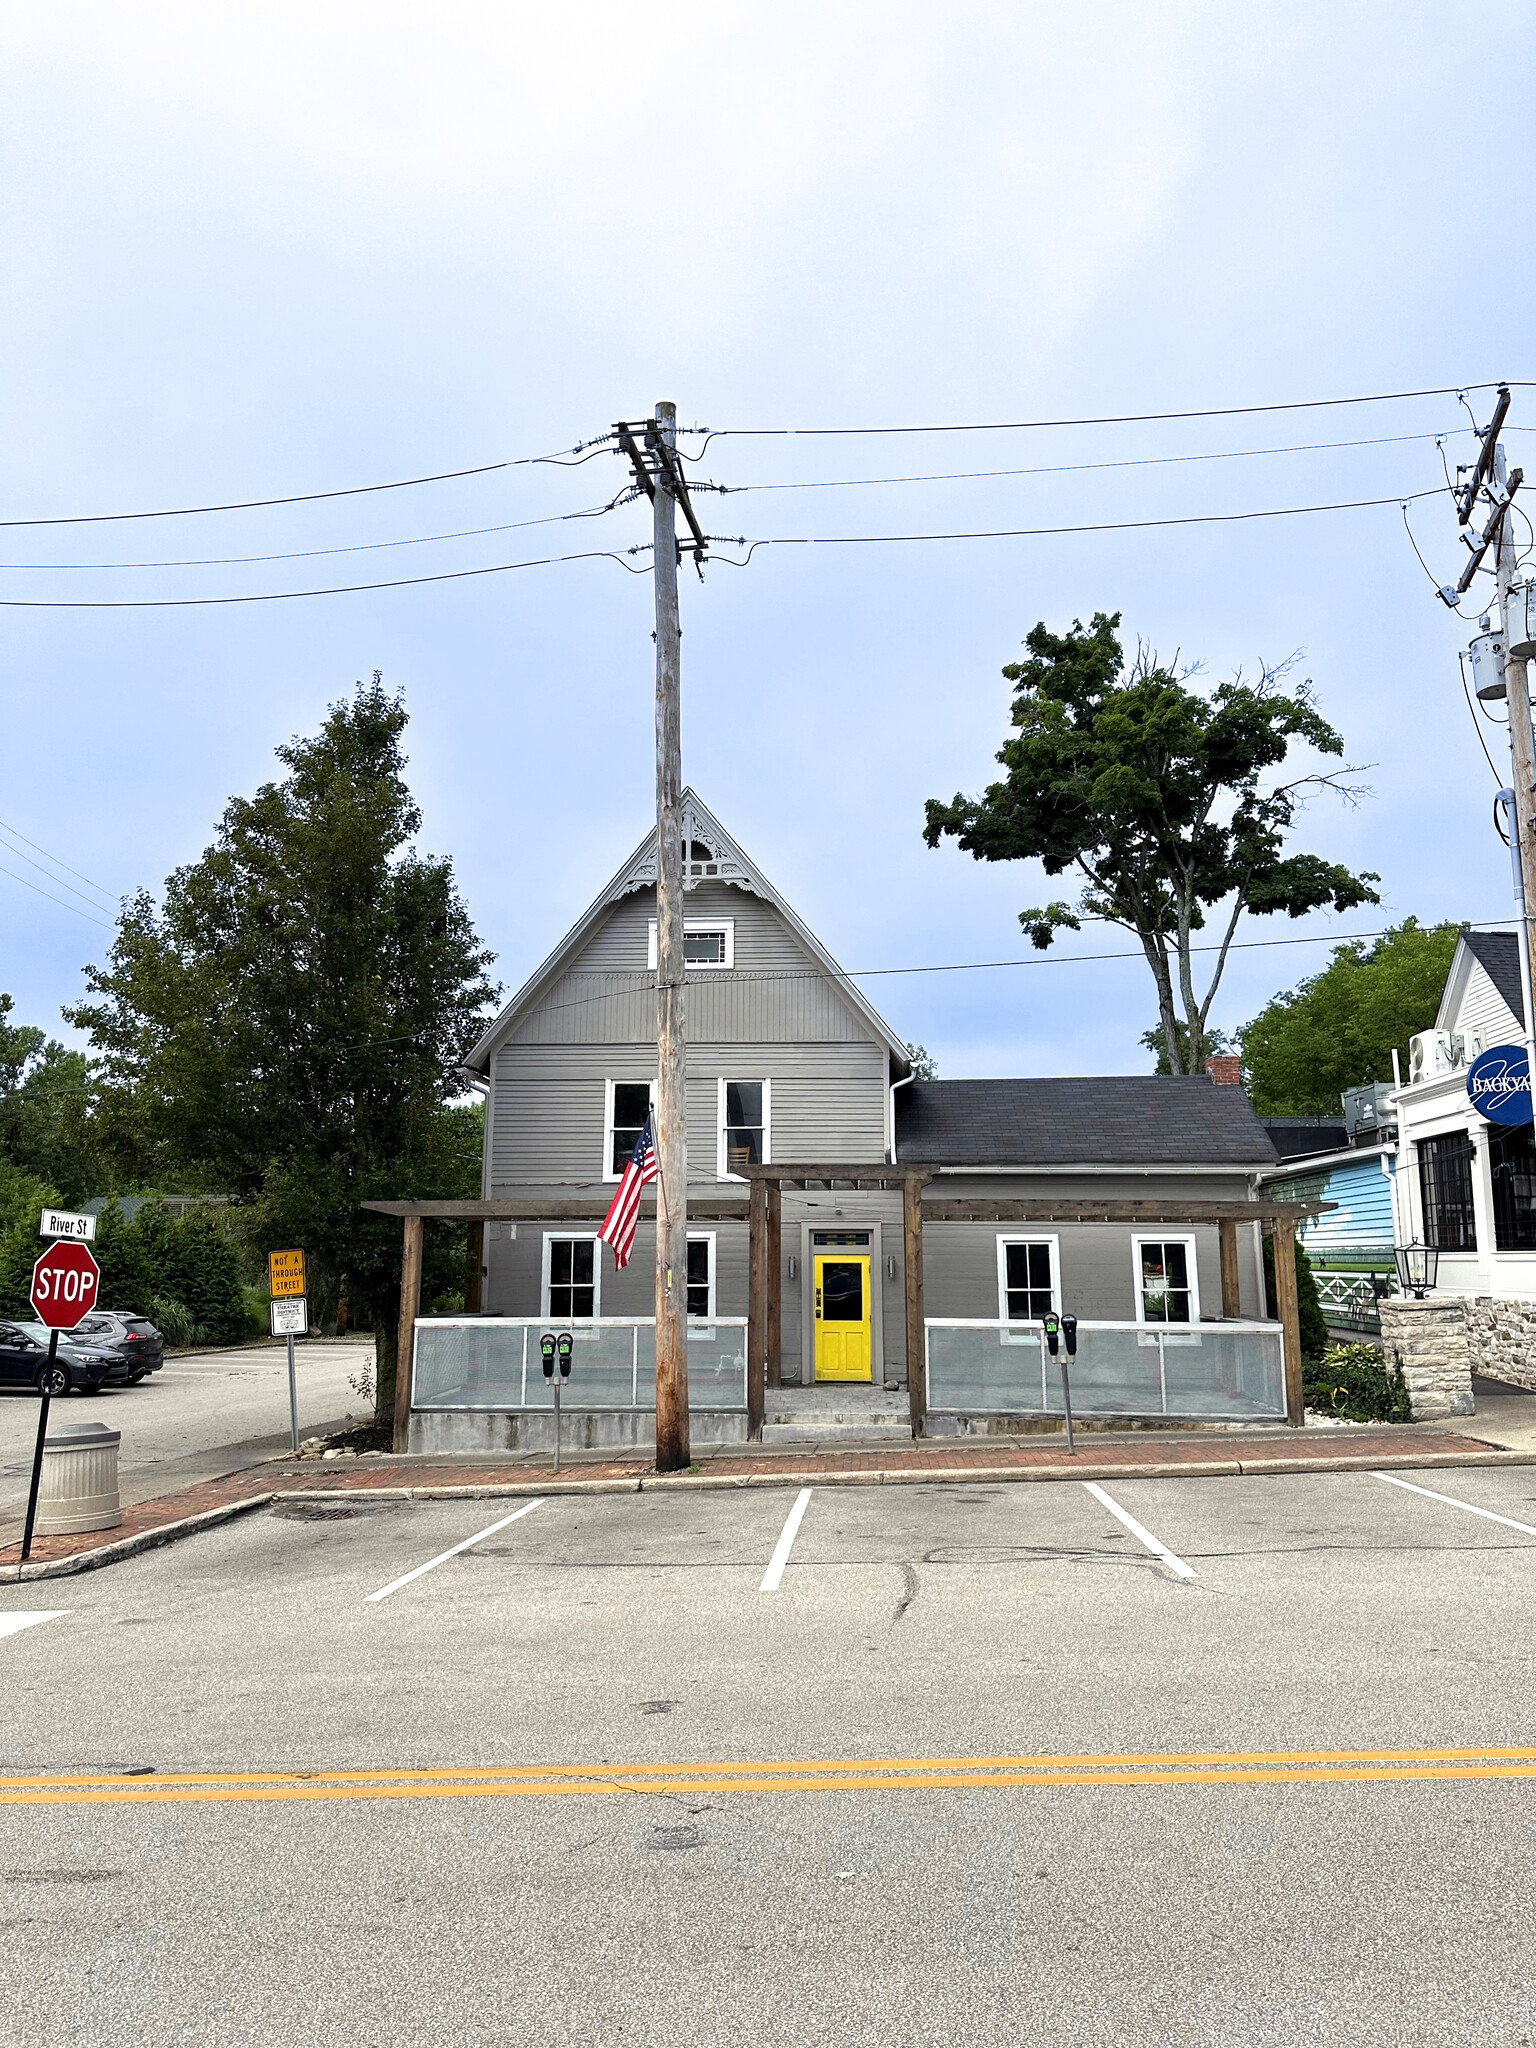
1225, 1069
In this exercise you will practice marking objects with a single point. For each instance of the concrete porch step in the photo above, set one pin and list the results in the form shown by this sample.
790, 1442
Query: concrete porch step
836, 1414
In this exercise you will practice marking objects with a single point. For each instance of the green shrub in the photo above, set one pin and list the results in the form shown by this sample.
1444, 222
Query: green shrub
173, 1320
1353, 1382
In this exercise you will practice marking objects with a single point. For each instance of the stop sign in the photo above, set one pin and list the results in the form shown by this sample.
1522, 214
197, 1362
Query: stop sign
64, 1283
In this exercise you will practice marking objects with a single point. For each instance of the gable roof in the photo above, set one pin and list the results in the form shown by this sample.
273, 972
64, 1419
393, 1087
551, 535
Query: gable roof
1499, 954
730, 864
1116, 1120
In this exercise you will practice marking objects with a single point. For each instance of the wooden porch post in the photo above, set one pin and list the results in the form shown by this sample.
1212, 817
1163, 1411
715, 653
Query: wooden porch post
757, 1304
773, 1259
912, 1263
474, 1269
1231, 1294
1288, 1307
410, 1307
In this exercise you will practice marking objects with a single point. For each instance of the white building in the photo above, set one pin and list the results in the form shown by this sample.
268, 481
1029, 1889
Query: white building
1464, 1185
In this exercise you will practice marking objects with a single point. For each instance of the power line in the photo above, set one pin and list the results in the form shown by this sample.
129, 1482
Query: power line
57, 880
54, 858
1123, 419
779, 541
56, 899
357, 548
1080, 468
847, 540
409, 483
120, 604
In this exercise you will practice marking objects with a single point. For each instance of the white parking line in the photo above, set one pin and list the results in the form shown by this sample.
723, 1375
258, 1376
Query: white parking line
1465, 1505
468, 1544
786, 1543
12, 1624
1159, 1550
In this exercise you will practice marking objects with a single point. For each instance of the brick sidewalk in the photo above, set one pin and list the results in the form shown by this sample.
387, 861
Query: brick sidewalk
174, 1515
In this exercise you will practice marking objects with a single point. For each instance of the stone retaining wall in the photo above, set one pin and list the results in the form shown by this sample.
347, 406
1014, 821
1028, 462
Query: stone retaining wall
1503, 1339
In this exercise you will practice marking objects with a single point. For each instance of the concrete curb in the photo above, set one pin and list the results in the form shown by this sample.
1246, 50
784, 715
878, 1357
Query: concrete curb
704, 1482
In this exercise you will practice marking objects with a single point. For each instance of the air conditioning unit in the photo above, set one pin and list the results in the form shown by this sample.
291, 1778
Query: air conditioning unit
1368, 1112
1432, 1053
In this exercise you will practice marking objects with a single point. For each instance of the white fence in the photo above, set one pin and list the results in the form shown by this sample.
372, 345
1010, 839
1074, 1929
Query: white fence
493, 1362
1200, 1372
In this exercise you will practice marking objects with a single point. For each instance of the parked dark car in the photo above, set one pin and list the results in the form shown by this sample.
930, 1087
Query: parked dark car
24, 1361
132, 1344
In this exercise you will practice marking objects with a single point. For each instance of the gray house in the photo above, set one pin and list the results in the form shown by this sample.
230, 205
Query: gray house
1131, 1203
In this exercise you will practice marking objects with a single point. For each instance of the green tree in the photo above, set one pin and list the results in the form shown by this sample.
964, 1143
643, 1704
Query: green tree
1309, 1305
23, 1198
46, 1099
287, 1027
1336, 1030
1154, 794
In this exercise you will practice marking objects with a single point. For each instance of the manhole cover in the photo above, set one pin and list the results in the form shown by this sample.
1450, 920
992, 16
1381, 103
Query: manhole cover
675, 1838
306, 1511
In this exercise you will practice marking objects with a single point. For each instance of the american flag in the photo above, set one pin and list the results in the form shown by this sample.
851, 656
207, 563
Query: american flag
624, 1210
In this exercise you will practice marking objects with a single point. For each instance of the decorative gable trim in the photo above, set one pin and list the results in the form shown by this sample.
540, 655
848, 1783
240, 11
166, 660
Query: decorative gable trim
701, 835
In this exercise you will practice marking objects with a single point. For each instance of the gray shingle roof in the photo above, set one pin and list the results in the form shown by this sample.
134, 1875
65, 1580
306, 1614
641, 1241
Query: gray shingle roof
1117, 1120
1499, 952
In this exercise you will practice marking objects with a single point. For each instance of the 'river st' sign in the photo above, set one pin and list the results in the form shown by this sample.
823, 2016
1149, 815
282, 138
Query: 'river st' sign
1499, 1085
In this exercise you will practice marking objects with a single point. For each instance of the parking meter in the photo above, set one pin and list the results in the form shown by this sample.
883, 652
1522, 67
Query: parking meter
1056, 1327
1051, 1325
547, 1353
565, 1344
1069, 1331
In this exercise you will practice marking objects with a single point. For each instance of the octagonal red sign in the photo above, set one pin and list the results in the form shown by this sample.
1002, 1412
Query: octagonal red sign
64, 1284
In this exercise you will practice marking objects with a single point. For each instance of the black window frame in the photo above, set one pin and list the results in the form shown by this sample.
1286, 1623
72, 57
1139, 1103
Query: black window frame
1445, 1192
1512, 1173
1030, 1299
624, 1134
564, 1288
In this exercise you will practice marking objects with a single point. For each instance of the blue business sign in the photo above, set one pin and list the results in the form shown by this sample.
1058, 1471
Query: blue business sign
1499, 1085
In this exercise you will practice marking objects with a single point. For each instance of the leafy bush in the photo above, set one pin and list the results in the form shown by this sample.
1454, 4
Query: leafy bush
1353, 1382
173, 1320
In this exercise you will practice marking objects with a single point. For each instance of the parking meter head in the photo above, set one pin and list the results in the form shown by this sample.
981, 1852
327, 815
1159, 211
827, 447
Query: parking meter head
1051, 1324
1069, 1331
564, 1346
547, 1353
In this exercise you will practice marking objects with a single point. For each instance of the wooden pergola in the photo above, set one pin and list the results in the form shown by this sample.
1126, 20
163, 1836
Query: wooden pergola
762, 1206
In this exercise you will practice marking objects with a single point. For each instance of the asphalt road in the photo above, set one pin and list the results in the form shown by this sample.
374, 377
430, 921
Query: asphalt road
722, 1849
204, 1413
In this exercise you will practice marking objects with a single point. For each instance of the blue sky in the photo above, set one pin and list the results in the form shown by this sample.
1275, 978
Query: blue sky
284, 250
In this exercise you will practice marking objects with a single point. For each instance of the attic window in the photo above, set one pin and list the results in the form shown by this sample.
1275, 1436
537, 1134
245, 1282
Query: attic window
708, 942
699, 861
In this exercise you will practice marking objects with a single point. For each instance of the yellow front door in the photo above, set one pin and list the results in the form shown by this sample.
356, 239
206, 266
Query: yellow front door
843, 1349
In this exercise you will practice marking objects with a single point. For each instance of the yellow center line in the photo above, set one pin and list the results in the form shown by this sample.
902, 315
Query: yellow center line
871, 1774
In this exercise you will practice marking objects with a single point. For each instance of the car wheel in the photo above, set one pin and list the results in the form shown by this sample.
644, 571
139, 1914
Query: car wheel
135, 1377
53, 1379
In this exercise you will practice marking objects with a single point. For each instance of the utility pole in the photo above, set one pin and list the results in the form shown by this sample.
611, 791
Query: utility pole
659, 474
1489, 475
672, 1446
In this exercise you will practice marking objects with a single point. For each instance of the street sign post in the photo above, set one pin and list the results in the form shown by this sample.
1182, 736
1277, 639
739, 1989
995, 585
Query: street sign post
290, 1319
285, 1274
65, 1284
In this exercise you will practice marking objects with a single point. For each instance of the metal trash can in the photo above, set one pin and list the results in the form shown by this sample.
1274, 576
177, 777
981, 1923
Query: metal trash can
79, 1480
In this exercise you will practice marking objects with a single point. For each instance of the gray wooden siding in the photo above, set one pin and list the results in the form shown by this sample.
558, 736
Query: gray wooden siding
547, 1104
1097, 1268
776, 992
514, 1280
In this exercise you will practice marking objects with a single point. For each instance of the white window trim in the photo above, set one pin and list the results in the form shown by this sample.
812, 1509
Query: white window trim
703, 1237
605, 1171
1165, 1237
1006, 1238
589, 1236
699, 924
720, 1125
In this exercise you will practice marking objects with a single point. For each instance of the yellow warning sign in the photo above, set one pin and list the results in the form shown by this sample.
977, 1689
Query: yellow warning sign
285, 1273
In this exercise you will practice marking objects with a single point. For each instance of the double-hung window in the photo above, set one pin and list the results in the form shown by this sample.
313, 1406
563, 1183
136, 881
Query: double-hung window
1027, 1279
744, 1112
570, 1278
1512, 1162
1167, 1288
701, 1275
629, 1104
